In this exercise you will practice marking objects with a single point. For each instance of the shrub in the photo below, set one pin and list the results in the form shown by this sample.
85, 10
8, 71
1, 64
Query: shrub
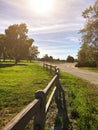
85, 64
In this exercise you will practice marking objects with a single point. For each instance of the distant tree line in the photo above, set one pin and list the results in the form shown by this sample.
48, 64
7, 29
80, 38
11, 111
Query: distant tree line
15, 44
47, 58
88, 53
50, 59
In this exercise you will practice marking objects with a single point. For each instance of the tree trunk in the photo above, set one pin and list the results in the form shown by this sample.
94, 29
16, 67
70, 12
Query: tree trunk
4, 56
16, 61
97, 64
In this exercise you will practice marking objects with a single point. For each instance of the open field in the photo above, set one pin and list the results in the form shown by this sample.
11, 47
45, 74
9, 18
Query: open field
17, 86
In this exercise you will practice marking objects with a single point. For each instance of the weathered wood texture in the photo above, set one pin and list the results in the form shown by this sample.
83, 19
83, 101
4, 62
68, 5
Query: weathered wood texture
39, 107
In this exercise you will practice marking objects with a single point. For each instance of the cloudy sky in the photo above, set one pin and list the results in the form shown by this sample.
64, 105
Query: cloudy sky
53, 24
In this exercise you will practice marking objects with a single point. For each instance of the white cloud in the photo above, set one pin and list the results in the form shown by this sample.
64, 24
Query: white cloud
66, 16
58, 29
73, 39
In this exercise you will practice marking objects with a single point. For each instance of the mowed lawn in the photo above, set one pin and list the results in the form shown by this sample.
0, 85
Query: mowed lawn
17, 87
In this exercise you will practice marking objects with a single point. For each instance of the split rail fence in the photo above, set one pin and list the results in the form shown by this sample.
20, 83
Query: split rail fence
37, 109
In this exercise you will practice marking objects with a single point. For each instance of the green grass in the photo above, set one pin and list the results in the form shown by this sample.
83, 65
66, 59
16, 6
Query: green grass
90, 69
17, 87
82, 102
19, 83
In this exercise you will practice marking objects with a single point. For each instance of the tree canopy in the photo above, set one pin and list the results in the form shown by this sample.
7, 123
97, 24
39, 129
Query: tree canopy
15, 42
89, 48
70, 59
47, 58
33, 52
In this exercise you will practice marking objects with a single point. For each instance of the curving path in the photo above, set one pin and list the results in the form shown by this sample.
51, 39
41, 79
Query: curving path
70, 68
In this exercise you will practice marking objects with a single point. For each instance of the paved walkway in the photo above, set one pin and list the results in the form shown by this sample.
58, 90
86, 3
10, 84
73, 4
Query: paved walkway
70, 68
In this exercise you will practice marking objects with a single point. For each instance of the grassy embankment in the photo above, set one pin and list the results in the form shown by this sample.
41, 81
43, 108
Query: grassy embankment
17, 86
82, 102
90, 69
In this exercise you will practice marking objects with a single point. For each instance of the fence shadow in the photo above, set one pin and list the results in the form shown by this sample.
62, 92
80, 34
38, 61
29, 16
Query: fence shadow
62, 121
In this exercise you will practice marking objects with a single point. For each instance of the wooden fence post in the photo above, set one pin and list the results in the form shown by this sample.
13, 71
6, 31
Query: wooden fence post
58, 85
46, 67
43, 65
55, 69
50, 69
39, 119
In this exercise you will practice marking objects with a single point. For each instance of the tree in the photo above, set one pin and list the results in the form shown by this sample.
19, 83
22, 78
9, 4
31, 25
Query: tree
47, 58
17, 41
2, 46
90, 34
70, 59
33, 52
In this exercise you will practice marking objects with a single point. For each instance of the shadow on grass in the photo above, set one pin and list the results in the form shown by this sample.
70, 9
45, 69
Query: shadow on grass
62, 121
11, 65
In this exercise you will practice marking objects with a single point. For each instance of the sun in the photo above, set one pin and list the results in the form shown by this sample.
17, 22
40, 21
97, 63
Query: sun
42, 6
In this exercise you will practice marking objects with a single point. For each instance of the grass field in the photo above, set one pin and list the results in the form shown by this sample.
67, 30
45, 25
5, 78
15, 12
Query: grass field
17, 86
82, 102
90, 69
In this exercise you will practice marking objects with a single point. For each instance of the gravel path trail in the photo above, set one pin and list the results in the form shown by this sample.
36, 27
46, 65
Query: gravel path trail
70, 68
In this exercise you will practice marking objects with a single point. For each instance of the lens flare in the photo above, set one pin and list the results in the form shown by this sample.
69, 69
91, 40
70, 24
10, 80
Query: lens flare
42, 6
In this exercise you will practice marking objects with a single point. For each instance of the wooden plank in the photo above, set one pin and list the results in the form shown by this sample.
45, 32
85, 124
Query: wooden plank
50, 99
22, 119
47, 89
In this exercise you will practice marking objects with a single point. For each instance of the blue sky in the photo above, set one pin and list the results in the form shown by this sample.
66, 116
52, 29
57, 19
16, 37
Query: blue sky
55, 30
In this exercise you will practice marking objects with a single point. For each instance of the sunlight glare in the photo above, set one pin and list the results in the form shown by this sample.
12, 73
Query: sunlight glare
42, 6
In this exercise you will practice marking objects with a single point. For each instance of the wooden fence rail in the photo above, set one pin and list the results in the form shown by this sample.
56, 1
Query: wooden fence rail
39, 107
52, 68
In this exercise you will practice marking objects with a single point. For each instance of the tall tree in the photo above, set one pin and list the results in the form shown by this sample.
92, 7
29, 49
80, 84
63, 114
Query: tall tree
90, 34
2, 46
33, 52
17, 41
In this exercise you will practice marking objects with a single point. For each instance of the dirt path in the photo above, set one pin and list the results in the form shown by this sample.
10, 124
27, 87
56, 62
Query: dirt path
92, 77
70, 68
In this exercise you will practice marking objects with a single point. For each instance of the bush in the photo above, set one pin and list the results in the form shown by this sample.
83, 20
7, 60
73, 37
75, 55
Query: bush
86, 64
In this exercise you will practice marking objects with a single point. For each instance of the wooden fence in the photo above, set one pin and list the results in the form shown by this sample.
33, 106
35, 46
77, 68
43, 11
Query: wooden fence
52, 68
39, 107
